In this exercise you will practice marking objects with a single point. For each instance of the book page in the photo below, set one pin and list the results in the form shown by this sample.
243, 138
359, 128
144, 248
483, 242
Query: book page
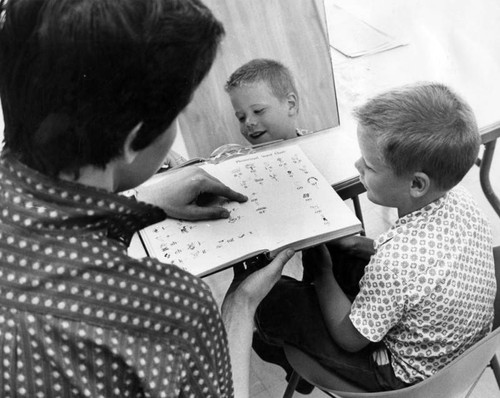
290, 204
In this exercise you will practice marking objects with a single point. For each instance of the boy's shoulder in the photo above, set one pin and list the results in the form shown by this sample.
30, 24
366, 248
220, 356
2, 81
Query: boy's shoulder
460, 192
457, 204
461, 201
453, 214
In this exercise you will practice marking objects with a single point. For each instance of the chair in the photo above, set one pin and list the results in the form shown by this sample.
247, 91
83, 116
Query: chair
457, 379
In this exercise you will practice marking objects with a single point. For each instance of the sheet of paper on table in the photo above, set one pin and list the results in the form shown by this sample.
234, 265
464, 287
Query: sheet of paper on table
354, 37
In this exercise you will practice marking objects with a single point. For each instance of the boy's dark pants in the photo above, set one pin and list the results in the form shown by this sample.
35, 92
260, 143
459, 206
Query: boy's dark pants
290, 314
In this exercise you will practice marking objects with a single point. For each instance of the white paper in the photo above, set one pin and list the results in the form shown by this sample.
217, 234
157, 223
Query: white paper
354, 37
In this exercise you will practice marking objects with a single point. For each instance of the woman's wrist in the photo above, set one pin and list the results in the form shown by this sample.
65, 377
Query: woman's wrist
238, 303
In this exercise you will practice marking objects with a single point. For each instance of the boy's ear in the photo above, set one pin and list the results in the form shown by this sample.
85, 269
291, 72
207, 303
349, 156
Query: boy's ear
129, 153
293, 104
420, 184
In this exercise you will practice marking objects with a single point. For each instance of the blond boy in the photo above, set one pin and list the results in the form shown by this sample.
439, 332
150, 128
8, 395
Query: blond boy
427, 292
265, 101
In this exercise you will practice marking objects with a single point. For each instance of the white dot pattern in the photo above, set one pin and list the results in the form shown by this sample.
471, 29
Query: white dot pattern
79, 318
428, 291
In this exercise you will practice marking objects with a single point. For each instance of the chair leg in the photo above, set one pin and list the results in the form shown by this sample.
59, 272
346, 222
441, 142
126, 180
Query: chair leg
292, 384
484, 176
495, 366
473, 386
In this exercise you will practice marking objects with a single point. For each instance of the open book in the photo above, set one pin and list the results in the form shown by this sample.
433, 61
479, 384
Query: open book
290, 204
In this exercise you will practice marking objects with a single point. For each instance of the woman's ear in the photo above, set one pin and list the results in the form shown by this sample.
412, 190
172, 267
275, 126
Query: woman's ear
129, 153
420, 184
293, 104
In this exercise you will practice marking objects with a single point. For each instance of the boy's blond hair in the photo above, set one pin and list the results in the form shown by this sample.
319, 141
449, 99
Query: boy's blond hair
424, 127
276, 75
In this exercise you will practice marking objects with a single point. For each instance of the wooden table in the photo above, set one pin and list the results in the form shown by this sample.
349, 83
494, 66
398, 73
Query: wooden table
456, 42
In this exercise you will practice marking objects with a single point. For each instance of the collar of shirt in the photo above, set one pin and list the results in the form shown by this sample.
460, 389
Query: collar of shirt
34, 200
407, 220
301, 132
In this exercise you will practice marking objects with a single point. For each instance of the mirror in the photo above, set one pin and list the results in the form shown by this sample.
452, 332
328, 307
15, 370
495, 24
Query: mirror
292, 32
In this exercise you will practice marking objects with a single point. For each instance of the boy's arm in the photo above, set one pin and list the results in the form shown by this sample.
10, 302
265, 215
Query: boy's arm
359, 246
334, 304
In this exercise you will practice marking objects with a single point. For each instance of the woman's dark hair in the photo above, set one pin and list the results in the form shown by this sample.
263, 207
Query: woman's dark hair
76, 76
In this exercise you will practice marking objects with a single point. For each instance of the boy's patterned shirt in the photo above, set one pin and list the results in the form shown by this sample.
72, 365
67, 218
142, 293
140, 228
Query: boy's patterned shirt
79, 318
428, 292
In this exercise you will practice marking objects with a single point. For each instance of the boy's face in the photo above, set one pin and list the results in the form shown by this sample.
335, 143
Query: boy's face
383, 186
262, 116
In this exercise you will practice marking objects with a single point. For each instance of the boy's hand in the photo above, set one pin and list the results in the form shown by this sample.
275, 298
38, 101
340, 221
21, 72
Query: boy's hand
317, 261
359, 246
186, 194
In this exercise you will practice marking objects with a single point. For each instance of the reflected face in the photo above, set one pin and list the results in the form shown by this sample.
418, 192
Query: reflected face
262, 116
383, 186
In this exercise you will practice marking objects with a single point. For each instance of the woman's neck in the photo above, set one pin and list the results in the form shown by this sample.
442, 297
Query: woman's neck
93, 176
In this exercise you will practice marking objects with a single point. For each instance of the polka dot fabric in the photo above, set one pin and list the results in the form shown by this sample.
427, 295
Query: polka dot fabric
79, 318
428, 291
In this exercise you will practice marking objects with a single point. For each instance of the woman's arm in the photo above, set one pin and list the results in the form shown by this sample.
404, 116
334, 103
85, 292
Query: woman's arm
238, 310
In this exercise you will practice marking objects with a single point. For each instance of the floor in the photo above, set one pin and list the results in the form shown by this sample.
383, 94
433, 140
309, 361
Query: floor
268, 381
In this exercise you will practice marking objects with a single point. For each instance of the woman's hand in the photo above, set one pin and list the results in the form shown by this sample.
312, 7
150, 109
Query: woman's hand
251, 285
246, 292
189, 193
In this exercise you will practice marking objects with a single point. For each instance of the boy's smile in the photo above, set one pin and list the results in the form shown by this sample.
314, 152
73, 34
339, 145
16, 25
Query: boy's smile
254, 135
262, 116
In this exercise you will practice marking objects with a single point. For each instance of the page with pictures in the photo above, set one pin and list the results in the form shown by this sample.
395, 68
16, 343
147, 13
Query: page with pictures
290, 204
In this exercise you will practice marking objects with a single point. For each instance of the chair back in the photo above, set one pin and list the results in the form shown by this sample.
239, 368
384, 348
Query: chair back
496, 255
454, 380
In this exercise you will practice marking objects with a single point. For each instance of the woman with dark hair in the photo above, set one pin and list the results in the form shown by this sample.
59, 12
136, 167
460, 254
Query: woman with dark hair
90, 91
